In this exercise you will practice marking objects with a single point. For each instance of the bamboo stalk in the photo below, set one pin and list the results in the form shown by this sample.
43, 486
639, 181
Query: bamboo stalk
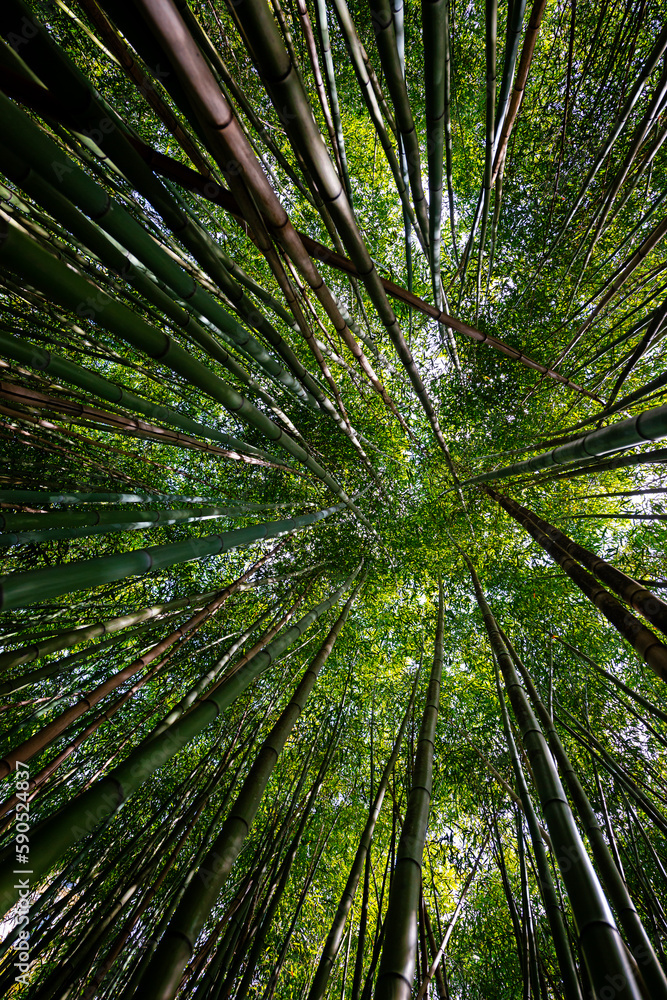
491, 23
330, 75
633, 593
610, 874
435, 30
645, 642
335, 936
36, 743
85, 812
145, 85
164, 973
385, 39
37, 150
27, 587
268, 52
73, 374
397, 965
227, 141
602, 946
372, 98
516, 98
75, 292
648, 426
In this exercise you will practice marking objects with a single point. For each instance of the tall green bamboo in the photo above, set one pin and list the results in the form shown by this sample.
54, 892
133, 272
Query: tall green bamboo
120, 226
511, 110
366, 81
385, 39
434, 29
36, 743
67, 371
612, 879
220, 313
397, 965
334, 939
198, 242
491, 21
71, 637
228, 145
164, 974
20, 589
330, 76
597, 934
100, 522
76, 188
74, 292
104, 798
552, 906
651, 425
268, 51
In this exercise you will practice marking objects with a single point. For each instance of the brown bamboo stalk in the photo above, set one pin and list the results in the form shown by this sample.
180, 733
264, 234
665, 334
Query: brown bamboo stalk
530, 39
227, 143
48, 733
645, 642
145, 85
44, 102
629, 590
121, 423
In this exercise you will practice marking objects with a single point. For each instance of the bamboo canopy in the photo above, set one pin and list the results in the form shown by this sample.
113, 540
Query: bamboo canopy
333, 623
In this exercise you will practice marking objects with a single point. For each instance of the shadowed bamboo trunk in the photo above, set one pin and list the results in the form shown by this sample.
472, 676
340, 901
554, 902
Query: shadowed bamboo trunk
552, 906
652, 607
612, 878
84, 813
435, 32
514, 105
601, 944
645, 642
163, 975
648, 426
20, 589
335, 937
397, 965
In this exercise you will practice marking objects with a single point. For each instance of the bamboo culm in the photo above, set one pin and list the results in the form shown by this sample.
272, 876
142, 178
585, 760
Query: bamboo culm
164, 973
642, 639
633, 593
84, 813
20, 589
397, 965
648, 426
335, 936
612, 878
601, 944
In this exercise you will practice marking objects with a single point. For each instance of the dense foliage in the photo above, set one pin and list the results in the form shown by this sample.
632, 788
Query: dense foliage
207, 452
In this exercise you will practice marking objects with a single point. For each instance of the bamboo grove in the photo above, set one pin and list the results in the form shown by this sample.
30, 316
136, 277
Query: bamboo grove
333, 613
